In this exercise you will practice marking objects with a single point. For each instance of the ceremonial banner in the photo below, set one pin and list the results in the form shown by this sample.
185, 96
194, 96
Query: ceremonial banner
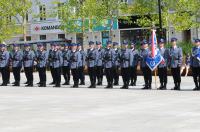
155, 58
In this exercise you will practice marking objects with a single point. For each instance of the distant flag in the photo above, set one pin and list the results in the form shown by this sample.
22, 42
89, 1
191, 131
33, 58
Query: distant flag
153, 44
155, 58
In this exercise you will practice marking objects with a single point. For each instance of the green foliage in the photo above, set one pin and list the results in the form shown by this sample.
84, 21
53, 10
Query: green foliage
186, 47
182, 14
9, 9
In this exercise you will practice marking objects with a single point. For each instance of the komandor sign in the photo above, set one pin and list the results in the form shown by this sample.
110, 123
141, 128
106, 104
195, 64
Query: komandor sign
44, 28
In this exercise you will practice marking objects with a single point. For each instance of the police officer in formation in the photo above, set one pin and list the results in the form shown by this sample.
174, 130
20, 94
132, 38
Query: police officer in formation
4, 64
16, 60
28, 63
91, 59
75, 59
133, 64
66, 64
50, 63
195, 64
144, 53
116, 65
99, 65
57, 62
41, 60
162, 67
125, 57
81, 66
108, 60
175, 61
98, 61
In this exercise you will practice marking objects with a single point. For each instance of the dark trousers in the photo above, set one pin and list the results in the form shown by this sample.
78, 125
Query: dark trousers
133, 74
116, 74
5, 74
66, 73
176, 75
81, 74
52, 73
109, 76
99, 72
29, 74
75, 76
125, 76
196, 76
57, 76
42, 74
16, 73
92, 75
162, 73
8, 74
147, 76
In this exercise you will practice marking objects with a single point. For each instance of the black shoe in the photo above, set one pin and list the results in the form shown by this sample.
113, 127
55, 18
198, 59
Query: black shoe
145, 87
3, 84
26, 82
74, 86
98, 83
65, 83
90, 86
57, 86
13, 82
196, 89
29, 85
82, 83
123, 87
16, 84
160, 88
42, 85
52, 83
38, 83
116, 84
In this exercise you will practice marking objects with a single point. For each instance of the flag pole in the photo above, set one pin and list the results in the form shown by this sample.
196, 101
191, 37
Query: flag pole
155, 78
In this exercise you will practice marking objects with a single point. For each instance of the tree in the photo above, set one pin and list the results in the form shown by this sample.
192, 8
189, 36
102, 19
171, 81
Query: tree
113, 10
79, 16
10, 11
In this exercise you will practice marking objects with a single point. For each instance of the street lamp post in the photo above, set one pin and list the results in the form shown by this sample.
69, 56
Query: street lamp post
160, 16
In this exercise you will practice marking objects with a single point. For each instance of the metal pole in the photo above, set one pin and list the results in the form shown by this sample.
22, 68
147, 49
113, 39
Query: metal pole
160, 15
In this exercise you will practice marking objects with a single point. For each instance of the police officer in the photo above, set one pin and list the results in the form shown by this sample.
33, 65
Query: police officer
144, 53
81, 64
28, 63
162, 67
16, 59
125, 57
66, 64
195, 64
57, 62
108, 60
116, 63
50, 63
99, 68
41, 59
175, 62
133, 64
75, 59
4, 63
91, 60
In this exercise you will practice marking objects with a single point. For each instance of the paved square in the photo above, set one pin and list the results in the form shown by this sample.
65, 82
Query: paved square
99, 110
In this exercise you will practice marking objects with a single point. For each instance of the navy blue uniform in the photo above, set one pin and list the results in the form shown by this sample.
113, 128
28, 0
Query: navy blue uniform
4, 65
195, 65
66, 66
175, 62
16, 59
91, 59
